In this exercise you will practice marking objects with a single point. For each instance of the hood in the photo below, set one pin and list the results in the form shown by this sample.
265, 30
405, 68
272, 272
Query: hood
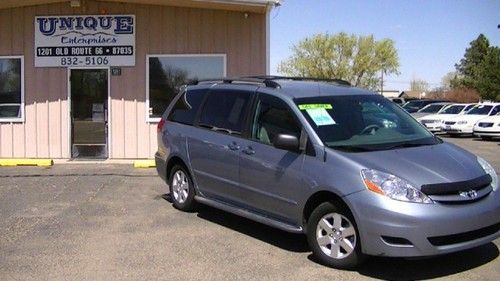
471, 117
438, 117
494, 119
419, 114
440, 163
430, 117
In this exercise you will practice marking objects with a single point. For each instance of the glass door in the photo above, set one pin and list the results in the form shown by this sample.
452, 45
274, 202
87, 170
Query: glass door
89, 113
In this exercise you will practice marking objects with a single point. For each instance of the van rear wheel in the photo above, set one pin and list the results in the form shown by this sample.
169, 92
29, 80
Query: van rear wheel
181, 189
333, 237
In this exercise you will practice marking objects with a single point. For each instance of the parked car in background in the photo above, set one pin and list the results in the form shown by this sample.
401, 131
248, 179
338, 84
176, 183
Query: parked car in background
429, 109
415, 105
433, 122
344, 166
488, 127
464, 124
399, 101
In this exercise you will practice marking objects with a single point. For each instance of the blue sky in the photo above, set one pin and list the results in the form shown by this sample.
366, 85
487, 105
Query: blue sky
430, 36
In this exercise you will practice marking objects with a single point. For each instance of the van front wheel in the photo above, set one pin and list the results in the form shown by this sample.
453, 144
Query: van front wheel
333, 237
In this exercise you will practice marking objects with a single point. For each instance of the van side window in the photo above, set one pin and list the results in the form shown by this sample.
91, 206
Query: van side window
273, 117
185, 113
225, 111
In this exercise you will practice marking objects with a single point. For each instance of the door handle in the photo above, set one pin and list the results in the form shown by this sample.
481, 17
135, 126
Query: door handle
233, 146
249, 151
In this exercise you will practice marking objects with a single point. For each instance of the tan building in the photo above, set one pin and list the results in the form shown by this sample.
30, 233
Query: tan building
90, 78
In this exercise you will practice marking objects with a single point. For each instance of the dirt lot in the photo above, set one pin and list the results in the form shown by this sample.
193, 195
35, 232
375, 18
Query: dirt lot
111, 222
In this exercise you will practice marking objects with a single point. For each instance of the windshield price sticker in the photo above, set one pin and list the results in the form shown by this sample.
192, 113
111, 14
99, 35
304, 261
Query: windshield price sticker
320, 116
314, 106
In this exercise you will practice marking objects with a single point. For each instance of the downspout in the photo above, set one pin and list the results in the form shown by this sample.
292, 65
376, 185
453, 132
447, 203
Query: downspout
269, 7
268, 38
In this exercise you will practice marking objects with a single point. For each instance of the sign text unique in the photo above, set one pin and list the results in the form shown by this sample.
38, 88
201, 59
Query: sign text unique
88, 40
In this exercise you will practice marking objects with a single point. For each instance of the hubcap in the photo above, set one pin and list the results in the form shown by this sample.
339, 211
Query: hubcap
336, 236
180, 186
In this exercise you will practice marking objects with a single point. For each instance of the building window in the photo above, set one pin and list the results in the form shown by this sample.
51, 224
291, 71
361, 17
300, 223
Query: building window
11, 89
166, 73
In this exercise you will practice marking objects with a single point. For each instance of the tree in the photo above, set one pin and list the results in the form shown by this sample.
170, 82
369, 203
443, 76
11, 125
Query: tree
447, 80
358, 59
479, 69
488, 76
462, 95
419, 85
470, 64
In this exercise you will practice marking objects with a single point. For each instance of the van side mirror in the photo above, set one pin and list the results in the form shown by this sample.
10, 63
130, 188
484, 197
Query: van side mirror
286, 142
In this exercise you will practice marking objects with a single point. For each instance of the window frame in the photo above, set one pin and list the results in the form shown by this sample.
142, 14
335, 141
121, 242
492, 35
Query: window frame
20, 119
148, 56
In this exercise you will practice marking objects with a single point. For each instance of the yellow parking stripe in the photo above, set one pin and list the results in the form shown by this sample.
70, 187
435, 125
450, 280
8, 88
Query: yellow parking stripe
5, 162
144, 163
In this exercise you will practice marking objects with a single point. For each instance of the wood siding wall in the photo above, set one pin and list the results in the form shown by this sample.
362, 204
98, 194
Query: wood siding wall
159, 30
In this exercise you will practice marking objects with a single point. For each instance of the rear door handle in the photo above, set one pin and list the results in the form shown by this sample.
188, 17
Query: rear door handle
233, 146
249, 151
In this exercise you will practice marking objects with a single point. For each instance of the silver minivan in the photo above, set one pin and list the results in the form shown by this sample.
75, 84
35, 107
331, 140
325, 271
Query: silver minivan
345, 166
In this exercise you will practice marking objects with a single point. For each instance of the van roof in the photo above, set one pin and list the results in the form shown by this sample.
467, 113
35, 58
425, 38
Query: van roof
293, 87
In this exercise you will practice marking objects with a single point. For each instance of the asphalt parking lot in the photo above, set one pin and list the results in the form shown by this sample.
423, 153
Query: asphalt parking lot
113, 222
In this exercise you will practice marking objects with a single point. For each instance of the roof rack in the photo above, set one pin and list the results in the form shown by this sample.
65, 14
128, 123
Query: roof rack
267, 80
295, 78
243, 80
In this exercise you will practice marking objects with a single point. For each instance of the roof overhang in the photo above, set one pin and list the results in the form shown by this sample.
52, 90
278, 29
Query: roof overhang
257, 6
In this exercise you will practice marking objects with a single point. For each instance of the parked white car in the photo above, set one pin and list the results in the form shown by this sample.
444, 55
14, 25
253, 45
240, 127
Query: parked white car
464, 124
429, 109
488, 127
433, 122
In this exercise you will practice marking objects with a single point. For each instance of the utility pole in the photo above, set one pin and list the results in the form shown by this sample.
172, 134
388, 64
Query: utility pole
382, 83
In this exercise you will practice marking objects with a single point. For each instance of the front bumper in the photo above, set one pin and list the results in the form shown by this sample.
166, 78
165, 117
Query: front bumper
456, 129
486, 133
393, 228
433, 127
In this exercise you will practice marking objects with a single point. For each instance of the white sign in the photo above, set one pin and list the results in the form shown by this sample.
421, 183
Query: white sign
85, 40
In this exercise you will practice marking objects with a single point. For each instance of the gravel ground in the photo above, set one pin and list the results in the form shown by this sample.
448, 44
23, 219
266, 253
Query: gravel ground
113, 222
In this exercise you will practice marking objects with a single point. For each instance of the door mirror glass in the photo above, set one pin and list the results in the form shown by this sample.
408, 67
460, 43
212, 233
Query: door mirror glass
286, 142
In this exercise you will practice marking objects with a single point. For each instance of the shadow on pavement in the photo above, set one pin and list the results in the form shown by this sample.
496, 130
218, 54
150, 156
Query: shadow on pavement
487, 140
284, 240
376, 267
417, 269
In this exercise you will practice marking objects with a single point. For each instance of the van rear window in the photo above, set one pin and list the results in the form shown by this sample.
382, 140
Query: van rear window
186, 115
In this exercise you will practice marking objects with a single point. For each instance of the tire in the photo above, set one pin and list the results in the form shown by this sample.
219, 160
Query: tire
330, 227
181, 189
486, 138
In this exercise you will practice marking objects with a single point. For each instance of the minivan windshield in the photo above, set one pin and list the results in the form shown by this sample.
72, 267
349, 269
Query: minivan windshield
363, 123
480, 110
452, 109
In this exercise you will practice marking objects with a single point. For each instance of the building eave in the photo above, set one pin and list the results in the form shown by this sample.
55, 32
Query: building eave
256, 6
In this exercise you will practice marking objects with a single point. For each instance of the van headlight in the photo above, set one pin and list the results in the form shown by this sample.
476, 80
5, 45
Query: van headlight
490, 171
393, 187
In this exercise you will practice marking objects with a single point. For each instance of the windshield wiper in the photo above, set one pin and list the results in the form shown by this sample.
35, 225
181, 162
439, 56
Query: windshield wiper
351, 148
407, 144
